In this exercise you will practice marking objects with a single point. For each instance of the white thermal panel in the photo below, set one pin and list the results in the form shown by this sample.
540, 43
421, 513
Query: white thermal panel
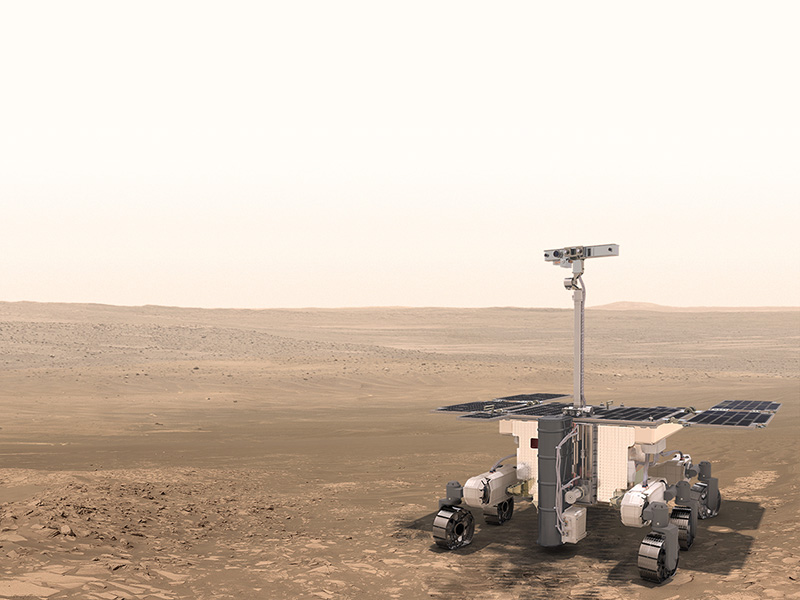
612, 459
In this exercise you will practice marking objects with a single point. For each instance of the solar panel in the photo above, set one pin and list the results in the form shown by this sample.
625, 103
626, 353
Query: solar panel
532, 397
731, 418
506, 402
730, 413
476, 406
758, 405
636, 413
485, 415
540, 410
630, 414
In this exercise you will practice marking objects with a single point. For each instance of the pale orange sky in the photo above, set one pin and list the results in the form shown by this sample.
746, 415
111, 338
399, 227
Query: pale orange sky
286, 154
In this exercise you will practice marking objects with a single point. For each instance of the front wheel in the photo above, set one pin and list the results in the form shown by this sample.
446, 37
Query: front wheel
453, 527
653, 559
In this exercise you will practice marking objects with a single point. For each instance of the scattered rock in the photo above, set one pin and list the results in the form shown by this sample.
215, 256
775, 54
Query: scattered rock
681, 577
24, 589
582, 589
173, 577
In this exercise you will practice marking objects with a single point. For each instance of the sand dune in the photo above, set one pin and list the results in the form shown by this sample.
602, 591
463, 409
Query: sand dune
152, 452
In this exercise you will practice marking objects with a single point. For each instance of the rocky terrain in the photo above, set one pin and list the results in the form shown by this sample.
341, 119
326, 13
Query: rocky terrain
168, 453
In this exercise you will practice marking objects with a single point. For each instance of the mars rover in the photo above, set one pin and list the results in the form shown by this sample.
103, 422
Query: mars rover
571, 455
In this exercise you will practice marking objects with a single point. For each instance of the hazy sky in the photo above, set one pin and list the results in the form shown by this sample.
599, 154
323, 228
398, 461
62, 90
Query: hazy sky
338, 153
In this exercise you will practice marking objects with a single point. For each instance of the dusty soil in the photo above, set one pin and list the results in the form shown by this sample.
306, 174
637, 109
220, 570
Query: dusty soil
163, 453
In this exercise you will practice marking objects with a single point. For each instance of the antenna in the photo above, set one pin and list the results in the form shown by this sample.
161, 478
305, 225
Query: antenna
573, 257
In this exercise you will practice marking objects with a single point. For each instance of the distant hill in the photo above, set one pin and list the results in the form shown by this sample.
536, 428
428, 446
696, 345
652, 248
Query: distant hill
82, 311
649, 306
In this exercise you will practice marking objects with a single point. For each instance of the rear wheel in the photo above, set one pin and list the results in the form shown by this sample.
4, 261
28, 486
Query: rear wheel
681, 516
500, 513
706, 511
453, 527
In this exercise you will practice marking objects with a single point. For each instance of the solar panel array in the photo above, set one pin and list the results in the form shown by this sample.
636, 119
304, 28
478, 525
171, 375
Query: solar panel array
531, 397
630, 414
485, 415
758, 405
731, 418
730, 413
478, 406
737, 413
636, 413
504, 407
541, 410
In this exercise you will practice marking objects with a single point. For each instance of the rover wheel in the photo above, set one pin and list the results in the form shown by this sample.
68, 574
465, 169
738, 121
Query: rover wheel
653, 559
681, 516
706, 512
453, 527
500, 513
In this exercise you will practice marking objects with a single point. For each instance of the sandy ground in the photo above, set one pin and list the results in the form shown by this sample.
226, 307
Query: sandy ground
161, 453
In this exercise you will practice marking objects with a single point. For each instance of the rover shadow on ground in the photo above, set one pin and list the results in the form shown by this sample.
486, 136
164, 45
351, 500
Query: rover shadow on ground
511, 552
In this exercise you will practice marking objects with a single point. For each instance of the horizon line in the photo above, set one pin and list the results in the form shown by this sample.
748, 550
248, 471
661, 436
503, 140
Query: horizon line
623, 305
